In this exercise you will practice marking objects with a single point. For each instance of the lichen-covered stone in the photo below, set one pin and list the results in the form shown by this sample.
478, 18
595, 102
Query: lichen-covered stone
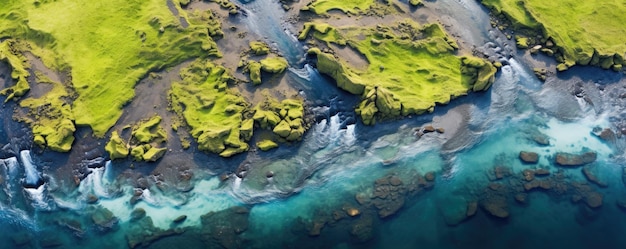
116, 147
266, 145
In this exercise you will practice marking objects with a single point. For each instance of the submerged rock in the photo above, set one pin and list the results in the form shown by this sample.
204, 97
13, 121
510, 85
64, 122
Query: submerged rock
569, 159
363, 229
591, 177
103, 218
496, 206
529, 157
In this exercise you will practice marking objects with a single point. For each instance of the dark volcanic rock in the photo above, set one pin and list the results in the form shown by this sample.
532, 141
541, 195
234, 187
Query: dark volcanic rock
569, 159
529, 157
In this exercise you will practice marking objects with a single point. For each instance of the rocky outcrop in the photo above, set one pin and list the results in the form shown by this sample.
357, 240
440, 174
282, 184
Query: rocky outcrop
117, 147
569, 159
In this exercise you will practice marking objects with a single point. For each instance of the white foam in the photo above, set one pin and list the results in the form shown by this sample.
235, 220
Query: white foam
38, 197
30, 169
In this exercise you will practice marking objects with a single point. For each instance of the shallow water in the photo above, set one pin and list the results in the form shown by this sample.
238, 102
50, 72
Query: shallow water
342, 166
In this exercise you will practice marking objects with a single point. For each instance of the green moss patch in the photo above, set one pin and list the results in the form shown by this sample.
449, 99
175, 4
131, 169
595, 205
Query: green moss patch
10, 52
583, 32
212, 110
144, 144
411, 68
266, 145
285, 118
117, 147
50, 116
346, 6
106, 46
259, 48
271, 64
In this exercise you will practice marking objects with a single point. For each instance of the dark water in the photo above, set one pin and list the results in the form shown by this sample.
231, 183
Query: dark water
353, 186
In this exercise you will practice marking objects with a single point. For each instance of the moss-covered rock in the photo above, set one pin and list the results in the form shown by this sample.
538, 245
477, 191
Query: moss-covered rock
254, 68
282, 129
266, 145
478, 72
274, 64
217, 128
247, 129
259, 48
138, 151
149, 131
153, 154
116, 147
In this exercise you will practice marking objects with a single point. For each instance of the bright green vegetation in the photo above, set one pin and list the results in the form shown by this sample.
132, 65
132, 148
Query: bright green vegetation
259, 48
266, 145
254, 68
411, 68
582, 32
145, 140
106, 46
346, 6
212, 110
285, 118
274, 64
271, 64
117, 147
416, 3
50, 117
10, 53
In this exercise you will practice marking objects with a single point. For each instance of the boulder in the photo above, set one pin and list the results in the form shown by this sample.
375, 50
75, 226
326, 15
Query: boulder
117, 147
266, 145
569, 159
274, 64
259, 48
529, 157
282, 129
154, 154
